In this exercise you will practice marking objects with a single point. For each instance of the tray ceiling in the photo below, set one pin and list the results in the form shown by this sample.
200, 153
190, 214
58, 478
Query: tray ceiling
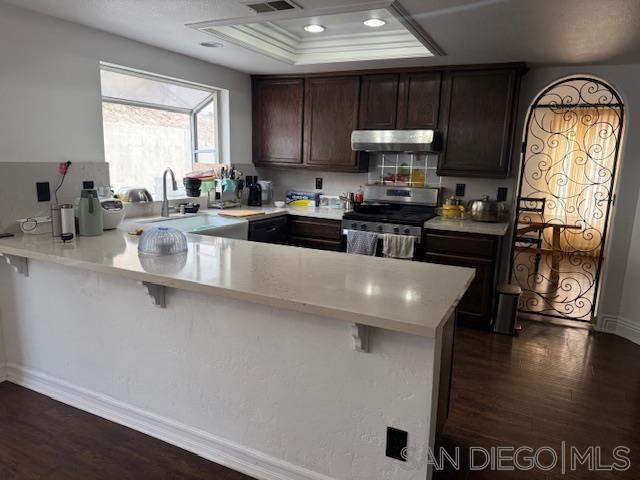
282, 36
469, 31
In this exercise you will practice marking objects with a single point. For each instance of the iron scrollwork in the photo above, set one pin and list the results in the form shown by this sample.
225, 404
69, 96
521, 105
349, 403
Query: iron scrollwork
569, 159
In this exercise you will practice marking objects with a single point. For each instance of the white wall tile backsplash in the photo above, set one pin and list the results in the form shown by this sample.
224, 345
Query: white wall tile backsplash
335, 183
419, 169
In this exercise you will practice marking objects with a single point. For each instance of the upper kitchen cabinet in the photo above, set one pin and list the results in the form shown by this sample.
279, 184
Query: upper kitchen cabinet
477, 122
419, 100
404, 101
379, 102
330, 115
307, 121
277, 121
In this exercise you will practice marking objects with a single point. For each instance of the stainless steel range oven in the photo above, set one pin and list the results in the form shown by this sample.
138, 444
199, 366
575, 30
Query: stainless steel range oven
395, 210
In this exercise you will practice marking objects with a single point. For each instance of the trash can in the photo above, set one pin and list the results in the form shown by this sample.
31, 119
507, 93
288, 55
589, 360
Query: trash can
508, 296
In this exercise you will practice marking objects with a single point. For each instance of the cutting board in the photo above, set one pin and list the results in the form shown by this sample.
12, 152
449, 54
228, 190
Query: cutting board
240, 213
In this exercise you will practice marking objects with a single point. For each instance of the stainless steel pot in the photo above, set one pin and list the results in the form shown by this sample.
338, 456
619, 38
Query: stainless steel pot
135, 195
486, 210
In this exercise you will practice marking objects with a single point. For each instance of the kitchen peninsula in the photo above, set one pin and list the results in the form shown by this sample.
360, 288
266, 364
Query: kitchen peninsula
260, 355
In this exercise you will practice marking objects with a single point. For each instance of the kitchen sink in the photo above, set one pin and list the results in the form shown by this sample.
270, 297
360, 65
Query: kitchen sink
203, 224
176, 216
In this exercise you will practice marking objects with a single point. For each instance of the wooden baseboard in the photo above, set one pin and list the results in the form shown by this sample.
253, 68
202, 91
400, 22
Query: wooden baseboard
622, 327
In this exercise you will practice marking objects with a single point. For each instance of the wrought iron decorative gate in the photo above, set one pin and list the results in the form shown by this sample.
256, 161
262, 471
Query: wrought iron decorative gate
569, 157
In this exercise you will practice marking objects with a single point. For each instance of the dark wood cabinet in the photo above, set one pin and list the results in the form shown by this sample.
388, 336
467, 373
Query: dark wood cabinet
277, 121
270, 230
379, 102
330, 115
403, 101
419, 100
300, 231
477, 122
474, 308
306, 121
479, 252
318, 233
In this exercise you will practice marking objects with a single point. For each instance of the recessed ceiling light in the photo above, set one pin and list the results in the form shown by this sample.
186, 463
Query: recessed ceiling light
212, 44
314, 28
374, 22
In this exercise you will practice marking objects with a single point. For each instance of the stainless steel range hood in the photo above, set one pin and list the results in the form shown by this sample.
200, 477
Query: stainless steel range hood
395, 141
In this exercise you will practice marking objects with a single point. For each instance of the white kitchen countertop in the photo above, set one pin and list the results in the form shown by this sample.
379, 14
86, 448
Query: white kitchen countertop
272, 211
410, 297
437, 223
468, 226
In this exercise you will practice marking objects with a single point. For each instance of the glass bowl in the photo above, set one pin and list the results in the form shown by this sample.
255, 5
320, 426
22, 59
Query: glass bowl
163, 264
162, 241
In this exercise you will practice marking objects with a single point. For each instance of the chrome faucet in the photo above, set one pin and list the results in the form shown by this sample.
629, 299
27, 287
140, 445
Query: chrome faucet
165, 200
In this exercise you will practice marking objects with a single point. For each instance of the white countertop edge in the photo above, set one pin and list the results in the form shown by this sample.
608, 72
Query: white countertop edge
300, 306
468, 226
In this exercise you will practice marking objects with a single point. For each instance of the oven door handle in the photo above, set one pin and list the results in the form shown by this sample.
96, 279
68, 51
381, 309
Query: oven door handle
345, 230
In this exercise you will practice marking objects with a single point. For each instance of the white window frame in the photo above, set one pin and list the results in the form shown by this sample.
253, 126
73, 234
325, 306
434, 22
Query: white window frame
215, 96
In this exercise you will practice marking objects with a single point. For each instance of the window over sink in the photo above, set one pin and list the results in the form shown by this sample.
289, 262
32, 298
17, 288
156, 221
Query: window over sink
151, 122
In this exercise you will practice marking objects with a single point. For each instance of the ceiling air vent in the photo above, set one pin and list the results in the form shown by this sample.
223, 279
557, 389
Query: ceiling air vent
268, 7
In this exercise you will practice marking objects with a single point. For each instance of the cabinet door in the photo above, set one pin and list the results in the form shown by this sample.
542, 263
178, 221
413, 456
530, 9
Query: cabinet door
331, 114
269, 230
318, 233
478, 111
419, 100
474, 309
378, 102
277, 121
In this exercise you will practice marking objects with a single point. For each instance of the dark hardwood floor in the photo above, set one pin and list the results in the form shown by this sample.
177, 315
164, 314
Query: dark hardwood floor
547, 385
550, 384
41, 438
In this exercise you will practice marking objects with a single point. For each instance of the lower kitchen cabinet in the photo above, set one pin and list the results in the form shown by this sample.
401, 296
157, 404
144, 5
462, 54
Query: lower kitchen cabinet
319, 233
479, 252
270, 230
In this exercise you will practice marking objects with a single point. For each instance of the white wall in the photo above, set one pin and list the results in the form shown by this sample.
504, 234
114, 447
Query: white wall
623, 256
3, 358
18, 198
627, 323
50, 87
258, 388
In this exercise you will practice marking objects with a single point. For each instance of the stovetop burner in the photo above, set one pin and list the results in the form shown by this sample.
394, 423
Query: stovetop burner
394, 213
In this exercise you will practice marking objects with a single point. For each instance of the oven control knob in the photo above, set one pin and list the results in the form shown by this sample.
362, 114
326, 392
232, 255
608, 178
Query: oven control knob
407, 231
396, 230
354, 225
363, 226
380, 228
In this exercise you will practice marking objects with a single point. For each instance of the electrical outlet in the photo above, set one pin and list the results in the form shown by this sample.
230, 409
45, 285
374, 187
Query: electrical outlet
396, 444
502, 194
460, 189
88, 184
318, 183
43, 191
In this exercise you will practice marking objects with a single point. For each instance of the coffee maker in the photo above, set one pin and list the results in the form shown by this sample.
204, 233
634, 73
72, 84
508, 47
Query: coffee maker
254, 196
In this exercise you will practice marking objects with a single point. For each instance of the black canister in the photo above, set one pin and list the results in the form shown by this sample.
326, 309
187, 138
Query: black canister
254, 198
